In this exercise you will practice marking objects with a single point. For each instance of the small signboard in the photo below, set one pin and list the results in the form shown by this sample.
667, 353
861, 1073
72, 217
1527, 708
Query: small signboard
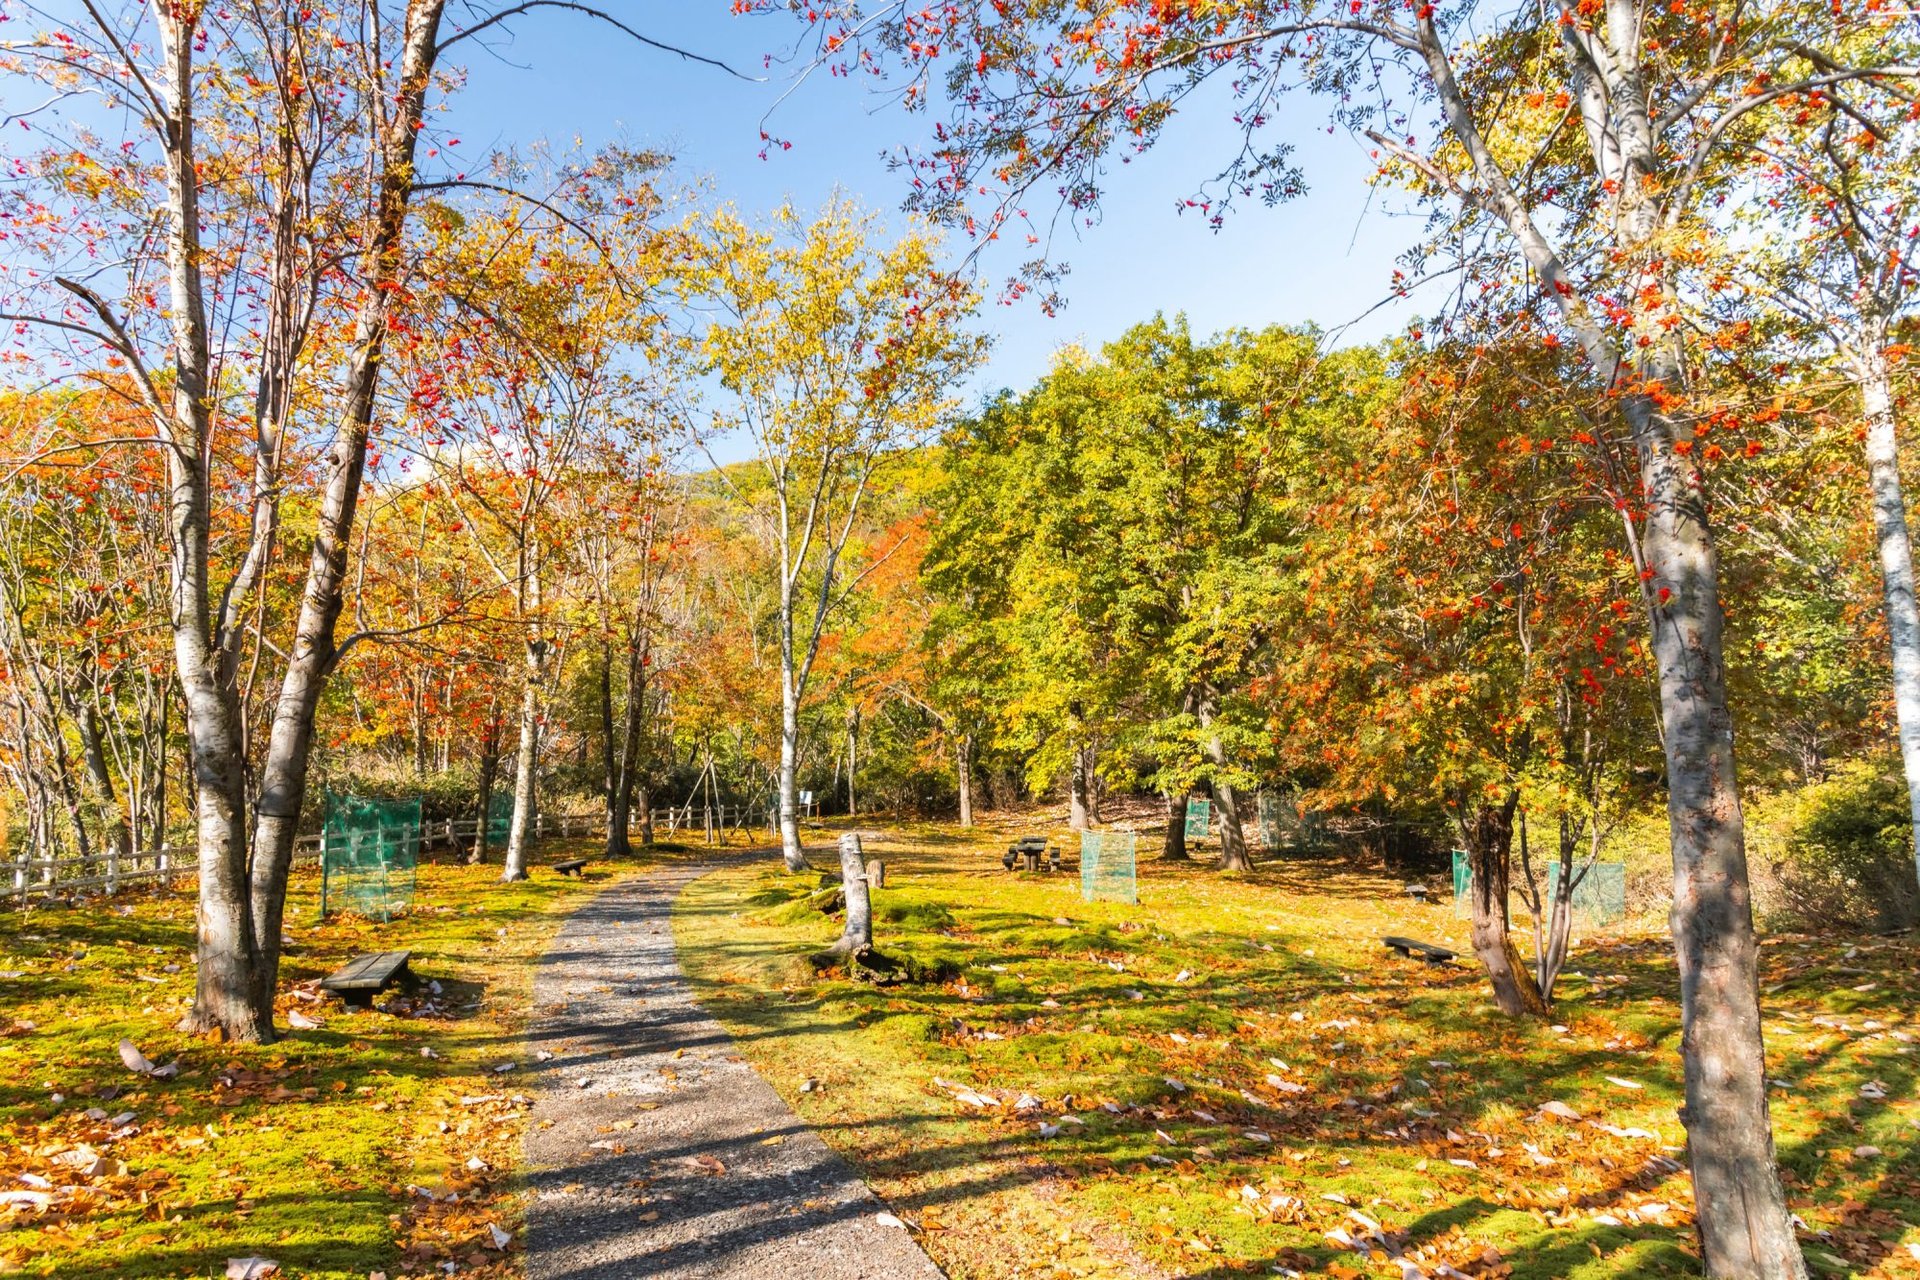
1199, 818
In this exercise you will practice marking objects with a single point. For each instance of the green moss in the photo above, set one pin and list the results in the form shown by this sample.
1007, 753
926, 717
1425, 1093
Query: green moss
299, 1151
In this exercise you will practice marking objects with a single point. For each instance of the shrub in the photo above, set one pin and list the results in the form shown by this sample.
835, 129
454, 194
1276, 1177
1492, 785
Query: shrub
1845, 859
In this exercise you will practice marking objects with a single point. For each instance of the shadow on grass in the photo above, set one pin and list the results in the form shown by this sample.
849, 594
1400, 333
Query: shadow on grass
1505, 1069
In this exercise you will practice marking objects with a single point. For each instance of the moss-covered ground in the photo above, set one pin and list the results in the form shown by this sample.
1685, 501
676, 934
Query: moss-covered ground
1234, 1076
307, 1152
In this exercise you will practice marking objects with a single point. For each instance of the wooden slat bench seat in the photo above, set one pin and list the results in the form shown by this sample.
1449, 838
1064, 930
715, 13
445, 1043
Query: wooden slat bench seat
572, 867
1419, 950
364, 977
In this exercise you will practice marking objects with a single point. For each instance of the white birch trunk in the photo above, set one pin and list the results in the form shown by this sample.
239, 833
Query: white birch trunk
1896, 565
790, 850
856, 938
526, 770
963, 774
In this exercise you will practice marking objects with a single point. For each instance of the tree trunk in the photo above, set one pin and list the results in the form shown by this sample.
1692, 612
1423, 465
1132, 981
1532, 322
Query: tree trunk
790, 850
609, 747
119, 827
489, 771
227, 991
856, 937
1487, 831
627, 772
419, 701
228, 996
1896, 566
283, 776
1094, 786
963, 775
1175, 847
1745, 1228
619, 815
1077, 790
853, 761
526, 769
1553, 920
1233, 837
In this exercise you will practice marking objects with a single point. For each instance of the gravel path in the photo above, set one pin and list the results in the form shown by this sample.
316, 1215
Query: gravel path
655, 1150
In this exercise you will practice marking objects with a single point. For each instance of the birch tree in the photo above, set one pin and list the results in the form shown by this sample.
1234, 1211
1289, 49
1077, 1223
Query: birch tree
833, 348
543, 321
1837, 205
232, 245
292, 110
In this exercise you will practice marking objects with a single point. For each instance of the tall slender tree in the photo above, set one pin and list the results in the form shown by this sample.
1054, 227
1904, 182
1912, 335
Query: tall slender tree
834, 348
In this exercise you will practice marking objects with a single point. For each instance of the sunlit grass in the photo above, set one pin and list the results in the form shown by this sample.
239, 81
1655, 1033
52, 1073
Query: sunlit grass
1420, 1104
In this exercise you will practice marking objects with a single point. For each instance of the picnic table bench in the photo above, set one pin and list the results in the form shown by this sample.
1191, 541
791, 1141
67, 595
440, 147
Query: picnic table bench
1029, 850
1419, 893
1413, 950
363, 977
571, 867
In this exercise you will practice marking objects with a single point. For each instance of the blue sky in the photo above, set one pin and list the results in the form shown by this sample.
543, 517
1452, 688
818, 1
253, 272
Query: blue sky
1325, 258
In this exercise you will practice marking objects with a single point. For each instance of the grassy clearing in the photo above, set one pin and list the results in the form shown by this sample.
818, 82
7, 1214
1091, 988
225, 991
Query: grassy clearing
303, 1151
1236, 1068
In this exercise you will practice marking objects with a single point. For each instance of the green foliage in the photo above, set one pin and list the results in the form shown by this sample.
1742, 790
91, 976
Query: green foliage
1849, 853
1111, 546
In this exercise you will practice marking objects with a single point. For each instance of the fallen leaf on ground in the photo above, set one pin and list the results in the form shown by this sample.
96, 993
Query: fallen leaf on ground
137, 1062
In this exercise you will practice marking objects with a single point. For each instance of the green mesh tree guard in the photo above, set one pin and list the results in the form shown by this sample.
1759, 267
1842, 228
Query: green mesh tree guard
1270, 817
1199, 818
1599, 899
367, 856
1283, 825
499, 817
1106, 867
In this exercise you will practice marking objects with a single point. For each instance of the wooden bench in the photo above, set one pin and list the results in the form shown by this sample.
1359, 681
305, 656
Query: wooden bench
571, 867
364, 977
1029, 850
1419, 950
1418, 892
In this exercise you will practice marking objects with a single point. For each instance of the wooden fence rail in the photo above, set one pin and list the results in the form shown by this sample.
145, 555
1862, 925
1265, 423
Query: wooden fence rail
111, 871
